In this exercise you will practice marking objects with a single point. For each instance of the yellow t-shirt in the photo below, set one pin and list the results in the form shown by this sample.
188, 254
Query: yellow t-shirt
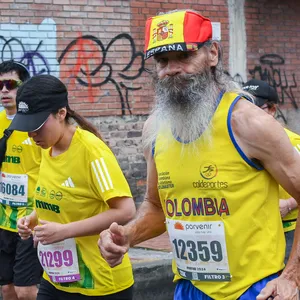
221, 209
74, 186
289, 221
19, 175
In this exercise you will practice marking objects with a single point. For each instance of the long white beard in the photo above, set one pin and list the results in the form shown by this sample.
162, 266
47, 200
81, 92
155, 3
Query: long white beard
185, 105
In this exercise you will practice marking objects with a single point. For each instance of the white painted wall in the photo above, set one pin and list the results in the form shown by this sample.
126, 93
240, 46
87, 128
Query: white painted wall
237, 39
19, 40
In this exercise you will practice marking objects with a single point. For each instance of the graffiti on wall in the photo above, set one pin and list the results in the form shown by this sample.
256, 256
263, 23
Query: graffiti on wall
84, 62
33, 45
93, 68
271, 69
237, 78
87, 63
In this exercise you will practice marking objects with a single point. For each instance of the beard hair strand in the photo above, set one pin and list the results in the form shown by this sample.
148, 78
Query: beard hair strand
184, 106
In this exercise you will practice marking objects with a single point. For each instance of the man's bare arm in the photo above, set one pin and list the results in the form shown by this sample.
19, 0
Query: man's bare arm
149, 221
262, 138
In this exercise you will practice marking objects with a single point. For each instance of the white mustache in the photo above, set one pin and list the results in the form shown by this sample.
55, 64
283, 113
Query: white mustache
184, 106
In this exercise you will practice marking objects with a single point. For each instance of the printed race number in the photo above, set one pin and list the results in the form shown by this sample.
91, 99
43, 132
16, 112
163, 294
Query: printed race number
56, 258
12, 189
198, 250
60, 260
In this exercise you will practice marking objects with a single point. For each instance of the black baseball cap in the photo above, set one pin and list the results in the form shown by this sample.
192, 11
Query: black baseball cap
18, 67
262, 91
36, 99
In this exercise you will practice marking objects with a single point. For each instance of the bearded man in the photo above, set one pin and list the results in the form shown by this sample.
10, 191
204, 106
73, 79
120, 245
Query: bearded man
212, 160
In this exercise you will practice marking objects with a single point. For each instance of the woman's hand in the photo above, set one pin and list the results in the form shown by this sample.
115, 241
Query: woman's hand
49, 232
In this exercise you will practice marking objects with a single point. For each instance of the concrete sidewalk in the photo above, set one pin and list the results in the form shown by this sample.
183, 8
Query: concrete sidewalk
151, 263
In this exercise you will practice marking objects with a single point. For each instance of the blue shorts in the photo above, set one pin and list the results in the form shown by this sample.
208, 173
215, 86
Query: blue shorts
186, 291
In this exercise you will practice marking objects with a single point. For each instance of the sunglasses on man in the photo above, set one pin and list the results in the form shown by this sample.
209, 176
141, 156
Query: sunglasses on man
267, 106
10, 84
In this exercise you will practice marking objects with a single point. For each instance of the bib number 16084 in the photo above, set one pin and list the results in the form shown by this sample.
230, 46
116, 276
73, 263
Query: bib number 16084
12, 189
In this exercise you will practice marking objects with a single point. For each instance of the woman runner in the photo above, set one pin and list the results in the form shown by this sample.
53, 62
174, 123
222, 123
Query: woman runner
81, 190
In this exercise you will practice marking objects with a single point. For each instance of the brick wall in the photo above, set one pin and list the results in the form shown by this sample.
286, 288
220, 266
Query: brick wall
124, 136
273, 50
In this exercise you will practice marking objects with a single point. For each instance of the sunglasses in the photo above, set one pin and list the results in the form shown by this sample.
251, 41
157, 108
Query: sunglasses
266, 106
10, 84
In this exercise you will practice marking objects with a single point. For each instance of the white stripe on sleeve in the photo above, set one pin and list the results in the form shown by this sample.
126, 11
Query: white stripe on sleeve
97, 176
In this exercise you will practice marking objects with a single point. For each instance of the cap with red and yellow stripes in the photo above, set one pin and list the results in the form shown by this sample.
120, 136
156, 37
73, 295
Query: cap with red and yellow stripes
177, 31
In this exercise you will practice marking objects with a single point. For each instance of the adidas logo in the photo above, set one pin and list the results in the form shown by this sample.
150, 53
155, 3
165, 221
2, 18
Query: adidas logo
68, 183
297, 147
27, 142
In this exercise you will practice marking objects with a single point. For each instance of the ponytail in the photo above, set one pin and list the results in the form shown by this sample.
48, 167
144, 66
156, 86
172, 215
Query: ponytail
3, 144
82, 122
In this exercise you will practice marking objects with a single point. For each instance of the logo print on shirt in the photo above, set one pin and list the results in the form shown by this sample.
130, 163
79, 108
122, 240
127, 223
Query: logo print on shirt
208, 170
38, 190
68, 183
16, 148
56, 195
27, 142
102, 175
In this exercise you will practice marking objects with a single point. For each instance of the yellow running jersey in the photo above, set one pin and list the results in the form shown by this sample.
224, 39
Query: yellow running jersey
74, 186
289, 221
19, 175
221, 209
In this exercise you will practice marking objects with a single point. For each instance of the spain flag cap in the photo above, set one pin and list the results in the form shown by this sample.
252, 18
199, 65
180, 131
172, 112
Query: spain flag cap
176, 31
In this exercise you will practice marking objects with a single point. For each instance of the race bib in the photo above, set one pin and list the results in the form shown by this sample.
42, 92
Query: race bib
60, 261
13, 189
199, 249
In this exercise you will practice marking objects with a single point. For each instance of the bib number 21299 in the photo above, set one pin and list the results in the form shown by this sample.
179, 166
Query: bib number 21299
60, 260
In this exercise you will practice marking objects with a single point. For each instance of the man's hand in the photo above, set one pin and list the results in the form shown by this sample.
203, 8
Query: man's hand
284, 208
26, 224
279, 289
113, 244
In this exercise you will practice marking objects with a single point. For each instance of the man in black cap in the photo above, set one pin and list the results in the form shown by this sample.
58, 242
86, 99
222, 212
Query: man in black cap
267, 99
20, 270
265, 95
